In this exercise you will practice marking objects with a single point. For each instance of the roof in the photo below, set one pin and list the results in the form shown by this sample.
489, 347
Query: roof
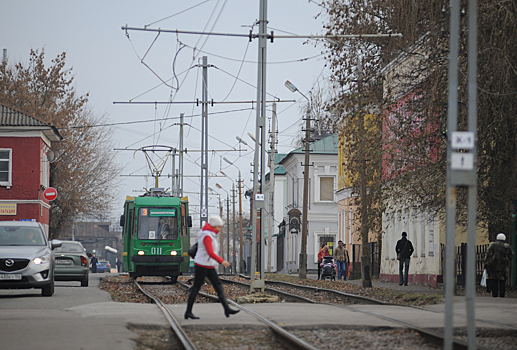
279, 169
327, 145
14, 117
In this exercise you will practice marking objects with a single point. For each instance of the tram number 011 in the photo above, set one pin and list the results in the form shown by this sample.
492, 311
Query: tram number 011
156, 250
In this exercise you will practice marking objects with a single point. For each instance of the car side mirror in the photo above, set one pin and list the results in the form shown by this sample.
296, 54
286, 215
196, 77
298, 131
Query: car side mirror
122, 219
55, 243
189, 221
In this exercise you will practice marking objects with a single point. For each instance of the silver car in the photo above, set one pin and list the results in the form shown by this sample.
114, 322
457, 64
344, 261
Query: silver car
26, 257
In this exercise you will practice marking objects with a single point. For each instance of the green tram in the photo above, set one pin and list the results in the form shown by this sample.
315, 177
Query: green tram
156, 234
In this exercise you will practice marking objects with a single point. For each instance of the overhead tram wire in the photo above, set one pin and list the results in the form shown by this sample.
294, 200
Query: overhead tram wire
177, 13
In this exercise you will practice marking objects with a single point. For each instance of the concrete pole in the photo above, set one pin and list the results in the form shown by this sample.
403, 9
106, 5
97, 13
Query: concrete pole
203, 198
241, 258
451, 189
221, 234
180, 182
227, 227
260, 124
305, 218
234, 262
271, 188
472, 199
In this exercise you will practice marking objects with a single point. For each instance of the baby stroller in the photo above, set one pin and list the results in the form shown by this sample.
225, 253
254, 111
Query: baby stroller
328, 268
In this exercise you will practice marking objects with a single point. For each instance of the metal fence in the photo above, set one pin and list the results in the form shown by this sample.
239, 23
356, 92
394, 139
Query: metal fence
374, 252
461, 261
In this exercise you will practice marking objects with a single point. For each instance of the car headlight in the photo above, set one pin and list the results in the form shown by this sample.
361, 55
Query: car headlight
42, 259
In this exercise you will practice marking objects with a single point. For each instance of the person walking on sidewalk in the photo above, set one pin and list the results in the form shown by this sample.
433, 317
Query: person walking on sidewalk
205, 261
404, 251
324, 251
342, 260
498, 255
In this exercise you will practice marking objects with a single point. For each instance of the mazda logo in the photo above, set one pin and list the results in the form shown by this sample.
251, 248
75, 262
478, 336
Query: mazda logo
9, 262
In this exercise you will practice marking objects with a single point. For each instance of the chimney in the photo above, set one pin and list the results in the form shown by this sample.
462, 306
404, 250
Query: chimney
4, 58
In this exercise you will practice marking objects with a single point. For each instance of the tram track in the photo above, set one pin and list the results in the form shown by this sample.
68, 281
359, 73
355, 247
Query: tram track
429, 335
290, 339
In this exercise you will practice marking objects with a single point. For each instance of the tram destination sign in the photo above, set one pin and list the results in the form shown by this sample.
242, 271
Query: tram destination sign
162, 212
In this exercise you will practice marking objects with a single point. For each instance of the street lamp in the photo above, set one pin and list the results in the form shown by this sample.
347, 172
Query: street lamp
303, 250
240, 217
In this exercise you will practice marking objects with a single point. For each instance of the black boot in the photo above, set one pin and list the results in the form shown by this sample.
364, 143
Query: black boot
222, 298
191, 299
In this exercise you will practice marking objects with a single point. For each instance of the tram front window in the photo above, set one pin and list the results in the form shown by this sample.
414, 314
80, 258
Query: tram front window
157, 223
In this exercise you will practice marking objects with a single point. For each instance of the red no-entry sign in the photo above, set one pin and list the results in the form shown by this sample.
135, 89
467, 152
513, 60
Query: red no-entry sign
50, 194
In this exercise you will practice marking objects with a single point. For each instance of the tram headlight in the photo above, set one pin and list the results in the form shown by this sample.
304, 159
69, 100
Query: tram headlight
141, 252
174, 252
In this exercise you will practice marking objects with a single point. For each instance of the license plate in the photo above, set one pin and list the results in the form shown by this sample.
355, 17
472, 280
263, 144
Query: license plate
63, 262
14, 276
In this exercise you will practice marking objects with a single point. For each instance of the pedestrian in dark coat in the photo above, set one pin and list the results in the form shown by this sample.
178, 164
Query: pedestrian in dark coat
498, 256
404, 251
94, 262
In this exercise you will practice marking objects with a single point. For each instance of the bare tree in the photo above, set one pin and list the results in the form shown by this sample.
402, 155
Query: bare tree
85, 170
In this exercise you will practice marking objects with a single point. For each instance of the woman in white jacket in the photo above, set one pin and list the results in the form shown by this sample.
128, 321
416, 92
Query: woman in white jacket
205, 261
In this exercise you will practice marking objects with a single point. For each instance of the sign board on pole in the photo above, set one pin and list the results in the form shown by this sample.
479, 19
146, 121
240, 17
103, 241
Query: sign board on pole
462, 140
204, 213
462, 161
50, 194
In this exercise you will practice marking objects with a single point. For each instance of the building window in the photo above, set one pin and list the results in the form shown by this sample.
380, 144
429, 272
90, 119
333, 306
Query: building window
5, 167
326, 188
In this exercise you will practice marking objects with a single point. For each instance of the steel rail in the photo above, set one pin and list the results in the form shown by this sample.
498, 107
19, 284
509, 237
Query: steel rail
291, 338
272, 290
364, 300
431, 336
172, 321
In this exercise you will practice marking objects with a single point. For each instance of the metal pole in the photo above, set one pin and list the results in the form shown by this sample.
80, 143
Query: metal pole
221, 239
241, 258
260, 123
472, 199
451, 189
205, 116
305, 219
234, 263
227, 227
180, 182
271, 188
204, 146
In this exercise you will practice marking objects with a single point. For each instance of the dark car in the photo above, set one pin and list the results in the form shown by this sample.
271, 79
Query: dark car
26, 257
71, 263
103, 266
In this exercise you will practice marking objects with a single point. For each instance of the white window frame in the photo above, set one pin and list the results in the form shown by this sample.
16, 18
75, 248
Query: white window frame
318, 189
9, 181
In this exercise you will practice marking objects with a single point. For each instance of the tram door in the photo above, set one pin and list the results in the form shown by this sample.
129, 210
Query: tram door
329, 241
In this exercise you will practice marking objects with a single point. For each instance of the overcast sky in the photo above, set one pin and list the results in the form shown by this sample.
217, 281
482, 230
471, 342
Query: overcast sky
106, 62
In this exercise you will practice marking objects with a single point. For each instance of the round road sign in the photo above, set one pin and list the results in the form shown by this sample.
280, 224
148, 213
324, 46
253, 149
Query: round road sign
50, 194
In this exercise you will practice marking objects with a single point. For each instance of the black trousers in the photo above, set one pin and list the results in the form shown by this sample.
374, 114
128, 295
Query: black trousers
199, 279
319, 268
498, 288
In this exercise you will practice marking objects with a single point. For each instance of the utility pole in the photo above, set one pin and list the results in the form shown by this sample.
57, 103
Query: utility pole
227, 227
241, 258
305, 214
204, 146
180, 181
221, 238
234, 262
365, 258
271, 188
258, 200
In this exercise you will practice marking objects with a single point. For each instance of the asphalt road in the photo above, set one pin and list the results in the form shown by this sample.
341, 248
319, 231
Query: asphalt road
74, 317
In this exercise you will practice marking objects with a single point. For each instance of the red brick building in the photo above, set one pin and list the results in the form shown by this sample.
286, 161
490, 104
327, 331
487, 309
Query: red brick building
25, 144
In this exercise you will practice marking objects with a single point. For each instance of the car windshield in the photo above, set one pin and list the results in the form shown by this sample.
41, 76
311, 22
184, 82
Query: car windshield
70, 248
157, 223
21, 235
